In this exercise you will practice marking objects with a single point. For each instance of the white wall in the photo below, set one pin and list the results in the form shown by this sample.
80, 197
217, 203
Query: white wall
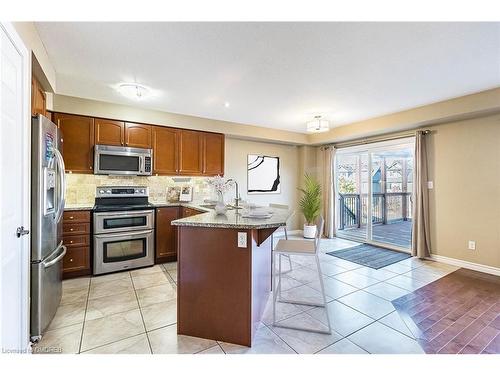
235, 167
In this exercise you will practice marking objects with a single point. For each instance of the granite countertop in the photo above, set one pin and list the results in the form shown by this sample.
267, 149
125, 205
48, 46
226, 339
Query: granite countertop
78, 207
233, 220
87, 206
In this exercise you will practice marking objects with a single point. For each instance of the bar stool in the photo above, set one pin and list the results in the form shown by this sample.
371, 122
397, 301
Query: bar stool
283, 207
299, 247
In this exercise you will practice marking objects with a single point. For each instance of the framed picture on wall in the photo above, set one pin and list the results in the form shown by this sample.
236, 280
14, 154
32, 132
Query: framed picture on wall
263, 174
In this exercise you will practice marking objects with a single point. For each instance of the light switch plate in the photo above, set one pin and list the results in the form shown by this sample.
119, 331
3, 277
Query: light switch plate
430, 185
472, 245
242, 239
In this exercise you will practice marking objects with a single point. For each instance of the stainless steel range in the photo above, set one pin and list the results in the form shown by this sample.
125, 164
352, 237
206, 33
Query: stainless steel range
124, 224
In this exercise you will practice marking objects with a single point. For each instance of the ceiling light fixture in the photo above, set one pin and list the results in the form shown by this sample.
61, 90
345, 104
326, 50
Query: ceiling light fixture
318, 125
226, 104
134, 90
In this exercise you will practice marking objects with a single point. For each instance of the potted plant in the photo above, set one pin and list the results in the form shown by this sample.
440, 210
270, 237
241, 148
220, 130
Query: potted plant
310, 205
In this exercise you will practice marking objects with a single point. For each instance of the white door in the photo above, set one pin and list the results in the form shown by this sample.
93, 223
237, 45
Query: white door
15, 63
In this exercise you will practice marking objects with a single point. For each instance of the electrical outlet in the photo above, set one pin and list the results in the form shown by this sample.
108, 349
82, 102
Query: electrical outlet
242, 239
472, 245
430, 185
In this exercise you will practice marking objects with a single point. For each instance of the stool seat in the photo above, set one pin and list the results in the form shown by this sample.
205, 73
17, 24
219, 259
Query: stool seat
295, 247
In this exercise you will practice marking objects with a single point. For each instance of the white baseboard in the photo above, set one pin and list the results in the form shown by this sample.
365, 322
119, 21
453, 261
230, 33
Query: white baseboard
465, 264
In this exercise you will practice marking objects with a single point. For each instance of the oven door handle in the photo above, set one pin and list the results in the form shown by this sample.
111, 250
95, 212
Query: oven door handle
125, 236
121, 213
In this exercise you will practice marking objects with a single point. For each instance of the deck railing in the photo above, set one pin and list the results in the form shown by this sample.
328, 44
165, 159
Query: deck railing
386, 208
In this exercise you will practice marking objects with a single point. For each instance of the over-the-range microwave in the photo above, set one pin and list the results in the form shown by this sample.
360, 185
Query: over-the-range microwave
116, 160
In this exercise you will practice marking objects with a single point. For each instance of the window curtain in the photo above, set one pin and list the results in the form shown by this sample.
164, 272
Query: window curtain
421, 244
328, 190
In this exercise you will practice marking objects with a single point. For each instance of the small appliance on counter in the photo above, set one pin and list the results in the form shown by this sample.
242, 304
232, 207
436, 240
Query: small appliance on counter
47, 207
124, 223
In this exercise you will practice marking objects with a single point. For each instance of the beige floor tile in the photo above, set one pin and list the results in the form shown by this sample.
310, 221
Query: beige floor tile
67, 315
380, 339
330, 269
111, 287
64, 340
213, 350
74, 295
79, 282
264, 342
283, 311
343, 319
368, 304
407, 283
133, 345
104, 306
398, 268
394, 321
333, 288
303, 274
147, 270
380, 274
424, 274
173, 274
304, 293
110, 277
304, 342
166, 341
156, 294
170, 266
343, 346
355, 279
386, 291
160, 314
345, 263
146, 281
111, 328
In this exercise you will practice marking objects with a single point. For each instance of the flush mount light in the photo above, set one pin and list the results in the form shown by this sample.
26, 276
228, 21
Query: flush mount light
226, 104
318, 125
133, 90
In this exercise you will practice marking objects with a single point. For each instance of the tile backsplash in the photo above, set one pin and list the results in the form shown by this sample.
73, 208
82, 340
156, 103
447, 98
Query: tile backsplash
81, 188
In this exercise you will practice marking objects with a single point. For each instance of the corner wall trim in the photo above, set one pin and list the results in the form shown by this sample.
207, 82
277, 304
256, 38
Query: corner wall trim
465, 264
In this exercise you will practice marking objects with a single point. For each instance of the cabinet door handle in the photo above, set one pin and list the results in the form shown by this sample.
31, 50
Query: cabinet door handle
71, 217
71, 229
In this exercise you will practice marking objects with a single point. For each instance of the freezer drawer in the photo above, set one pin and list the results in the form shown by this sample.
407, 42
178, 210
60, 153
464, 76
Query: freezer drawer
46, 290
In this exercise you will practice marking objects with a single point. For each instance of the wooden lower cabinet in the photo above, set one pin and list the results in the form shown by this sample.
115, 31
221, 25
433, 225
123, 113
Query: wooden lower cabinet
76, 238
166, 234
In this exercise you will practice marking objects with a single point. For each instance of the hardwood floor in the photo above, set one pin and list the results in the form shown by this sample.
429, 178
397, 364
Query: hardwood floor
459, 313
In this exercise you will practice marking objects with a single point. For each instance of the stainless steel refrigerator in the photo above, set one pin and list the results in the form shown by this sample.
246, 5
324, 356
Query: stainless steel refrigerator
47, 206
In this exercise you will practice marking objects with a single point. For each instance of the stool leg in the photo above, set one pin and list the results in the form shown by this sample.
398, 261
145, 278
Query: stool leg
321, 283
273, 281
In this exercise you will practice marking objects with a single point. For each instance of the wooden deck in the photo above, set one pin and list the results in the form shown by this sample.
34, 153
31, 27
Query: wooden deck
397, 233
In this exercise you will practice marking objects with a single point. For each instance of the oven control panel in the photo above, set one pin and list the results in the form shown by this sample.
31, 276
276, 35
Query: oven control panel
121, 191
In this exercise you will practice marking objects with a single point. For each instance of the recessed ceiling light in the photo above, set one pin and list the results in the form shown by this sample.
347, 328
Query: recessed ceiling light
226, 104
318, 125
134, 90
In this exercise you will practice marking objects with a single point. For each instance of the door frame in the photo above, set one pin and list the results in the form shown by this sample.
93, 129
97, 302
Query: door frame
369, 149
25, 133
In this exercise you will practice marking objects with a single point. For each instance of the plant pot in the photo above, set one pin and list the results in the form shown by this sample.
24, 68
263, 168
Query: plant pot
309, 231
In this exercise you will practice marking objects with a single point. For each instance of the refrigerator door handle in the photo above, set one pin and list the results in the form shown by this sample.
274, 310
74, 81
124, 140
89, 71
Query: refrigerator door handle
58, 258
62, 181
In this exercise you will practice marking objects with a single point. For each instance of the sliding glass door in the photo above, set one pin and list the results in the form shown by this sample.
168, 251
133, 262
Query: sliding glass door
374, 185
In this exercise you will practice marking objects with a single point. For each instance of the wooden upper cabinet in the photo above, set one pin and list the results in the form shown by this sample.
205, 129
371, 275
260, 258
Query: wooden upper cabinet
165, 150
213, 154
109, 132
38, 98
190, 152
138, 135
78, 142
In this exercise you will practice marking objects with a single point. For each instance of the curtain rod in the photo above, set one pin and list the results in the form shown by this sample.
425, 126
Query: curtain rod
365, 141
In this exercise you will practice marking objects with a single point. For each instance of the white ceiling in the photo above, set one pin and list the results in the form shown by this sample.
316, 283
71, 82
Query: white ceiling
276, 75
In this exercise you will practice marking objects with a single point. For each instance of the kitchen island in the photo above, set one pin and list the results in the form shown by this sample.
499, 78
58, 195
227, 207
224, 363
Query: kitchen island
224, 274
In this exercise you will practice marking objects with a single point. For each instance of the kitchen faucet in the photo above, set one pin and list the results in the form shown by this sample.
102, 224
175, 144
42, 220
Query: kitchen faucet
237, 198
